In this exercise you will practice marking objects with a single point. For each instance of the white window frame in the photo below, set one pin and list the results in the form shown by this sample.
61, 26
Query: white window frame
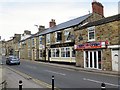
66, 33
91, 29
56, 37
65, 51
48, 38
33, 42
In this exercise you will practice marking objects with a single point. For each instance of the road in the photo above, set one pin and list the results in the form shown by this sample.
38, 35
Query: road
65, 78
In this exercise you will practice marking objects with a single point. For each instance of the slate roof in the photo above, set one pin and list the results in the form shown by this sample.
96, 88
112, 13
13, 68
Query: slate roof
101, 21
66, 24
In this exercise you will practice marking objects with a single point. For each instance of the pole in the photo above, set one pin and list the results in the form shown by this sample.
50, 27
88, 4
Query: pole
20, 85
52, 82
103, 86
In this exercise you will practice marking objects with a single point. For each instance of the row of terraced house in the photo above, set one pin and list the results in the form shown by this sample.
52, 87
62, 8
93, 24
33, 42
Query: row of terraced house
90, 41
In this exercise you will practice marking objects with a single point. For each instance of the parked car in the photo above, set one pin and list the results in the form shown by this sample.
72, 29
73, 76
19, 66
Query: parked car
12, 60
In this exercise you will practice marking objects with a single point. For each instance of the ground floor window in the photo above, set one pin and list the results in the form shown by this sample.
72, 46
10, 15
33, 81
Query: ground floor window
63, 52
29, 53
73, 52
40, 54
92, 59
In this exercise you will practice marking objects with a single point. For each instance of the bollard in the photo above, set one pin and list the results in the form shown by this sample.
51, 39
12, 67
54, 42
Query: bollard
20, 85
103, 86
52, 82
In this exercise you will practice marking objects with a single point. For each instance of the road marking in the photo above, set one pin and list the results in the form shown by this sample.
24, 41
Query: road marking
100, 82
55, 72
33, 67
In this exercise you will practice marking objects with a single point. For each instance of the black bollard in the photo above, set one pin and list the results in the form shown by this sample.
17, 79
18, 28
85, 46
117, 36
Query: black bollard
52, 82
103, 86
20, 85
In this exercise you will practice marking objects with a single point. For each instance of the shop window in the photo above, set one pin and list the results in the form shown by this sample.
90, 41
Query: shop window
99, 59
67, 52
91, 33
53, 52
57, 52
86, 58
62, 52
73, 52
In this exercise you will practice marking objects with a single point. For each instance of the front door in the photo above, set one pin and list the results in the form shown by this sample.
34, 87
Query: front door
115, 59
92, 59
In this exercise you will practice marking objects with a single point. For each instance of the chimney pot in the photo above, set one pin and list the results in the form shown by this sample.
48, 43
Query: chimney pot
52, 23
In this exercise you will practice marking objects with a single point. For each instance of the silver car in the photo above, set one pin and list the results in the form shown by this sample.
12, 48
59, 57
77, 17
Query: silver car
13, 60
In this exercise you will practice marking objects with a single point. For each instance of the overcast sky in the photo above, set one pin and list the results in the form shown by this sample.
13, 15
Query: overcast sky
19, 15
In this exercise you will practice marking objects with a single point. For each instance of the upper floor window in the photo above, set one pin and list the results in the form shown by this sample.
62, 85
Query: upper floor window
48, 38
91, 33
33, 43
58, 36
67, 35
28, 43
40, 39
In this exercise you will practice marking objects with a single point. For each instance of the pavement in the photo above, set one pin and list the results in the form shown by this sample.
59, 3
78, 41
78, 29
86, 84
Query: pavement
11, 76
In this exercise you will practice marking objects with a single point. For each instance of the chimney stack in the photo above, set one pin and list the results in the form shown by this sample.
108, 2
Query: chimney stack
41, 28
52, 23
97, 8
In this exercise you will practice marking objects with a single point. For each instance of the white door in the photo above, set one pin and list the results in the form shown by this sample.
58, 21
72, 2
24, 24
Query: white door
115, 59
92, 59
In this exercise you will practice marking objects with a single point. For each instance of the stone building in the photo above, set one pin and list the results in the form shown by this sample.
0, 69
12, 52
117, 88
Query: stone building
23, 44
97, 44
12, 45
2, 47
57, 42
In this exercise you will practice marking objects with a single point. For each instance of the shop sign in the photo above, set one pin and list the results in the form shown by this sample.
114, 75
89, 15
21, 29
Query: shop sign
91, 45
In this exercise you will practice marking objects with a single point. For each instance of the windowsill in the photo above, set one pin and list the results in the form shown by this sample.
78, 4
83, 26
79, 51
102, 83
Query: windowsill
91, 40
68, 41
57, 42
47, 43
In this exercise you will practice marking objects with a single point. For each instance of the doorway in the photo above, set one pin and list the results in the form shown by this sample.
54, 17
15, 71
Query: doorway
115, 59
92, 59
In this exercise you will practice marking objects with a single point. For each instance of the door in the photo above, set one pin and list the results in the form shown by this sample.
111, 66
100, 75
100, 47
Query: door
115, 59
92, 59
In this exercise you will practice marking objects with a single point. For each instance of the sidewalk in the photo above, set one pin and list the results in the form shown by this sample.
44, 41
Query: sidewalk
13, 78
72, 67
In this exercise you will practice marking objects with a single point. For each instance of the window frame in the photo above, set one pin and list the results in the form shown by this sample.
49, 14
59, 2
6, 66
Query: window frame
56, 37
66, 33
91, 30
48, 38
